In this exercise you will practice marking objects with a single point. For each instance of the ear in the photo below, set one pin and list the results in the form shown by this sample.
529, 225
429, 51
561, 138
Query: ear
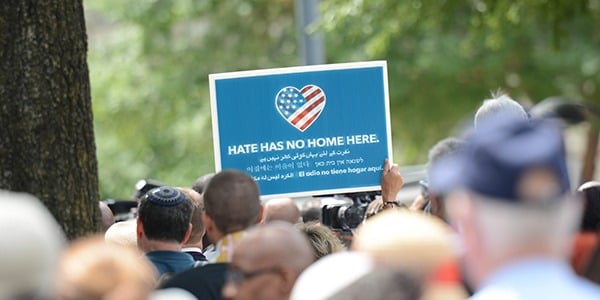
139, 229
458, 209
261, 210
187, 235
288, 280
461, 210
207, 221
209, 227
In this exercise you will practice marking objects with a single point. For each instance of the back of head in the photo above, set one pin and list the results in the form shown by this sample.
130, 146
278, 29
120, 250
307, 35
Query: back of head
165, 213
311, 214
107, 215
281, 209
382, 284
122, 233
276, 248
93, 269
201, 183
411, 241
514, 177
499, 107
278, 243
508, 160
31, 244
331, 274
443, 147
322, 239
232, 200
198, 209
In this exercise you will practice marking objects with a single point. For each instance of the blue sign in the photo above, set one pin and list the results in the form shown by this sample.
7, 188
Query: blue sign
304, 131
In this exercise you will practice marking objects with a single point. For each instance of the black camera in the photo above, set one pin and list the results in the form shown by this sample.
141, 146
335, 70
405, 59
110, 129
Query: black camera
346, 216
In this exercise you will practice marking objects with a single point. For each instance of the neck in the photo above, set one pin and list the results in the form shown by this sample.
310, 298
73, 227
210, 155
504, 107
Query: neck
198, 245
493, 264
215, 236
152, 245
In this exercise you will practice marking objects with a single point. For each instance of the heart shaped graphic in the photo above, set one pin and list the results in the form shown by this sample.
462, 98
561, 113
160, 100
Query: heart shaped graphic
300, 107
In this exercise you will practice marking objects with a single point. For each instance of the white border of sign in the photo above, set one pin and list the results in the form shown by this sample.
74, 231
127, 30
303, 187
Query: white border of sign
327, 67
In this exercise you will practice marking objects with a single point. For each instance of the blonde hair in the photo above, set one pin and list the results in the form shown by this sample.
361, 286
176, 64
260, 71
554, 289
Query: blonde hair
93, 269
322, 239
408, 240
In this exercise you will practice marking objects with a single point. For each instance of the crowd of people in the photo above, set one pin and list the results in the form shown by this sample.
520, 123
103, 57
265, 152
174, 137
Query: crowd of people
497, 218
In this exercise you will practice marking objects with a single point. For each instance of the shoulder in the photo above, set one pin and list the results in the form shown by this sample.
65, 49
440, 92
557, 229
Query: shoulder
205, 282
496, 293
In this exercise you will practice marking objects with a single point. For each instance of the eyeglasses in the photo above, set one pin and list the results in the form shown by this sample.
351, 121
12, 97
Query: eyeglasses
236, 276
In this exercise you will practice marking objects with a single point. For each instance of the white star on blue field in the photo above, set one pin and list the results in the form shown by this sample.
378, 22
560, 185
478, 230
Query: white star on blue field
289, 101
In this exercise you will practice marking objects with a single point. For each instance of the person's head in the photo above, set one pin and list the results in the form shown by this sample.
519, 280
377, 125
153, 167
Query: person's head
311, 214
164, 215
107, 215
590, 192
281, 209
406, 240
93, 269
201, 183
508, 193
267, 262
142, 187
231, 203
198, 229
122, 233
382, 284
441, 149
31, 243
322, 239
331, 274
500, 106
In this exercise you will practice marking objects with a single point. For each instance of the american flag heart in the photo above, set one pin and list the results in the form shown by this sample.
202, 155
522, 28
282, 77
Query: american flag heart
300, 108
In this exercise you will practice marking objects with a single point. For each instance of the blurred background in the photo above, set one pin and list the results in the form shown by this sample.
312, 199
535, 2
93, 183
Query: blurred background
149, 62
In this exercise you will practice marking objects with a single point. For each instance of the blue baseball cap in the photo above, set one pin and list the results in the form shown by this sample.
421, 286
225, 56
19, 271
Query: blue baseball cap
508, 160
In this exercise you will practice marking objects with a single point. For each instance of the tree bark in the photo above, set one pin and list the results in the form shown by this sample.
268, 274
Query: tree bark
47, 143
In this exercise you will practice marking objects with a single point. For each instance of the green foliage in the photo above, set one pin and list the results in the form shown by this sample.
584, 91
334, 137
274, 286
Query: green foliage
149, 70
150, 64
445, 56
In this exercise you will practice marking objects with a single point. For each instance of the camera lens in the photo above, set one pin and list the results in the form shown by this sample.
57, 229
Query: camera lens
351, 216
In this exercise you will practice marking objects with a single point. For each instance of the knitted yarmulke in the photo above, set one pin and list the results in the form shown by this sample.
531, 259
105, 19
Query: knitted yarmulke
165, 196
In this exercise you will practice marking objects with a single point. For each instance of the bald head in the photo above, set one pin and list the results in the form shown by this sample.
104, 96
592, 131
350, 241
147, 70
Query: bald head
232, 201
107, 215
198, 208
276, 243
276, 250
281, 209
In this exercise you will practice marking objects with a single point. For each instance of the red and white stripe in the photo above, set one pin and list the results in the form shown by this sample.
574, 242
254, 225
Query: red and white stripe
307, 113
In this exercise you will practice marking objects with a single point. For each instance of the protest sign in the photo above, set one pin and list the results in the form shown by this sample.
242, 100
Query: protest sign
304, 131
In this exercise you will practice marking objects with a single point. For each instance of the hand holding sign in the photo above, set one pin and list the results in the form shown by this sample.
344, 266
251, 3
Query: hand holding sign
391, 181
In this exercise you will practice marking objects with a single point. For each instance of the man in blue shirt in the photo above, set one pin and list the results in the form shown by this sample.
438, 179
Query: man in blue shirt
508, 196
163, 225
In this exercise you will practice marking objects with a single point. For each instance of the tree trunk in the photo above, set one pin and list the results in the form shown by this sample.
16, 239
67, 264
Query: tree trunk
46, 135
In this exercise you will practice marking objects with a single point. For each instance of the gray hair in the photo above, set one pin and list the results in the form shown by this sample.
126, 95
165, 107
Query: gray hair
500, 106
509, 226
